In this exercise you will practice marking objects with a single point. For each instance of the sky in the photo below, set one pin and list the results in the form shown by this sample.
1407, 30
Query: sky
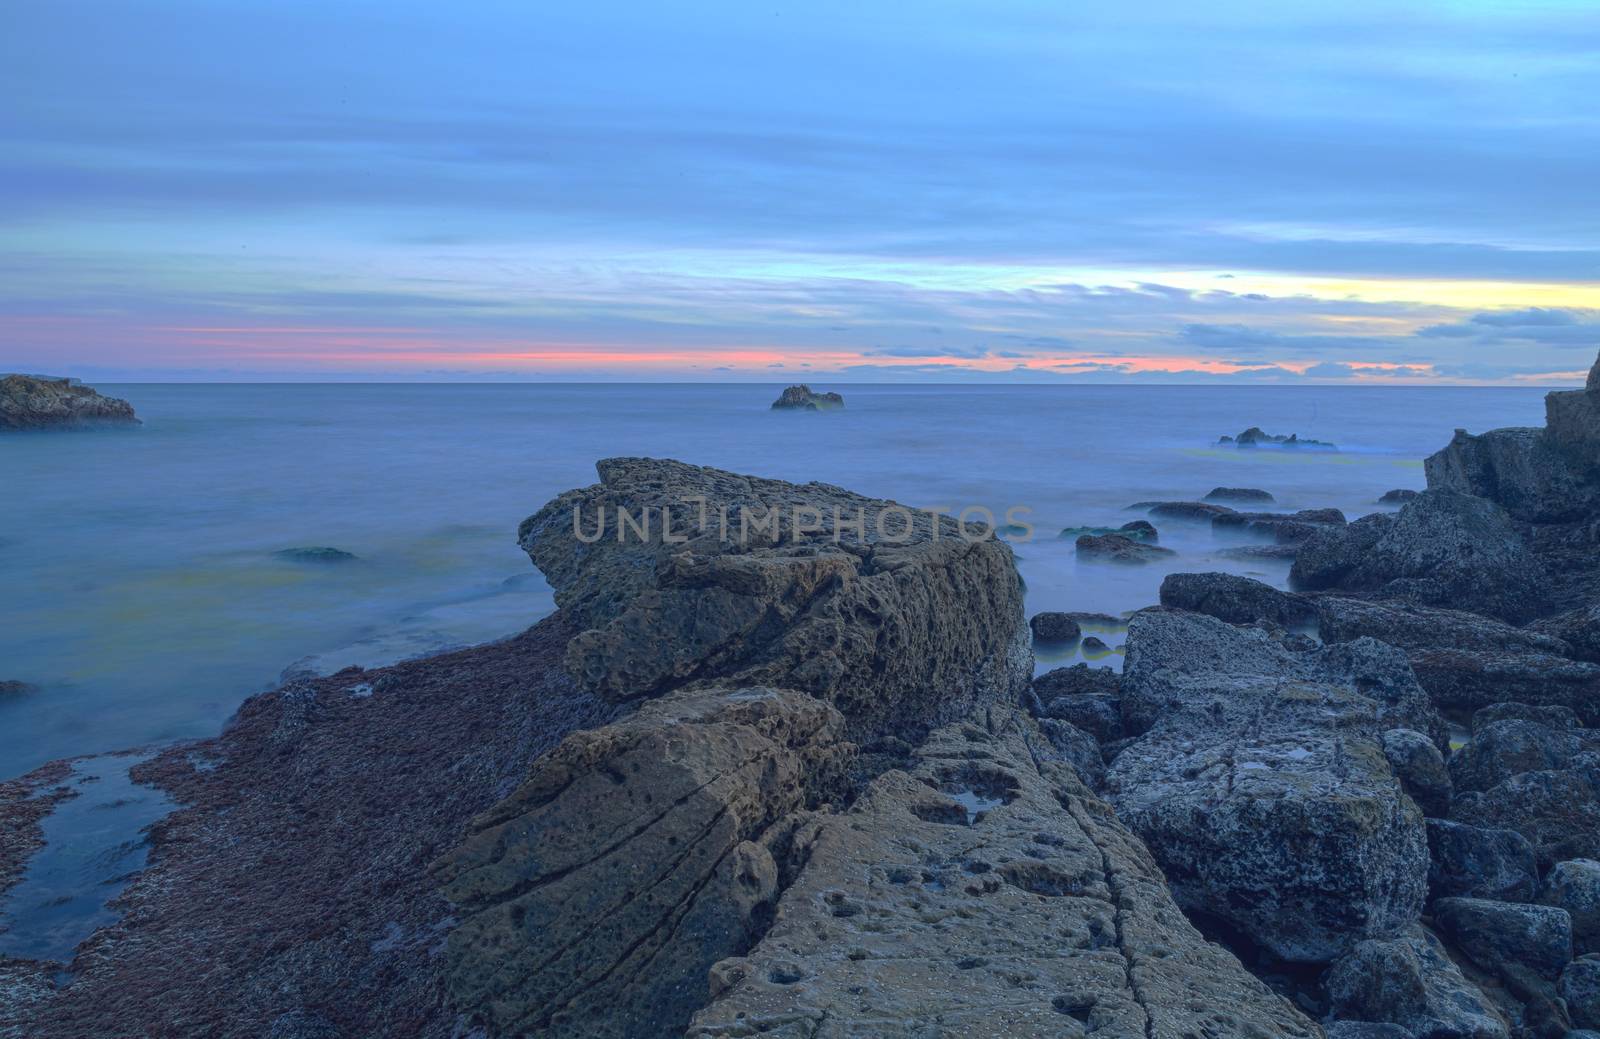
828, 191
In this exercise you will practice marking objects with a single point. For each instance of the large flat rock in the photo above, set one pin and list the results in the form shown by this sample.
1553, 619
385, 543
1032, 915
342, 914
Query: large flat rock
983, 892
900, 619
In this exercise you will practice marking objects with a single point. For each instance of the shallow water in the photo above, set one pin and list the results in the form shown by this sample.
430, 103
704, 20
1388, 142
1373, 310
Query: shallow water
144, 598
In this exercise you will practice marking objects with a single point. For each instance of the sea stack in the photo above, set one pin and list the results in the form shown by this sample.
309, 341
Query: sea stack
55, 402
803, 398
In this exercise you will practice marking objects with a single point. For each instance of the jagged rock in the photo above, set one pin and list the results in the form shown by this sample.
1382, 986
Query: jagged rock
1094, 646
1519, 469
913, 622
1243, 494
319, 554
1137, 530
1255, 437
1500, 750
1575, 886
986, 896
1580, 987
1237, 600
1117, 548
44, 402
1502, 935
1578, 630
1193, 511
1397, 497
594, 899
1442, 549
1261, 786
1419, 766
803, 398
1413, 627
1409, 981
1472, 862
1088, 697
1065, 742
1463, 680
1054, 627
1076, 681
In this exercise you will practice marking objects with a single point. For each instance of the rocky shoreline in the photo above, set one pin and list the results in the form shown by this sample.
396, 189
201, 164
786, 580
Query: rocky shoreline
35, 402
803, 783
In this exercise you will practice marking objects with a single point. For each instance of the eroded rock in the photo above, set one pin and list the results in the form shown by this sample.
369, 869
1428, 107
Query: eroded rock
804, 398
984, 895
1473, 862
1575, 886
46, 402
1409, 981
1235, 599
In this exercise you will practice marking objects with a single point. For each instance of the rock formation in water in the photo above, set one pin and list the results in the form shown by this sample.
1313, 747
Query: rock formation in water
804, 398
49, 402
1256, 437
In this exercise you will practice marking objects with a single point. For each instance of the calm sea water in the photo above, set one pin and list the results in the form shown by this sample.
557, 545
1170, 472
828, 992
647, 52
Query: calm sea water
143, 596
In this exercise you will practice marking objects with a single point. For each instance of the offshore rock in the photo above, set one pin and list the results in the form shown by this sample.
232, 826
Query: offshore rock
1261, 785
1444, 548
983, 893
594, 899
1193, 511
1242, 494
804, 398
900, 619
1054, 627
1255, 437
1119, 548
42, 402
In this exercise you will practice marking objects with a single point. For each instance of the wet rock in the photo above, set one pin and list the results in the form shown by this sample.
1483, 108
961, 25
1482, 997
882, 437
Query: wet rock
1075, 681
1419, 766
1286, 528
1409, 981
1054, 627
320, 554
1192, 511
900, 619
594, 899
1256, 437
1065, 742
1118, 548
804, 398
1237, 600
1094, 646
1397, 497
1575, 886
1580, 987
1274, 553
11, 687
1260, 783
986, 894
1137, 530
46, 402
1239, 494
1501, 750
1442, 549
1098, 714
1472, 862
1417, 628
1578, 630
1501, 937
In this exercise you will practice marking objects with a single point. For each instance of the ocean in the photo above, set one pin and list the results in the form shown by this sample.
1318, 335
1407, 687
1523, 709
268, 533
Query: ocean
145, 599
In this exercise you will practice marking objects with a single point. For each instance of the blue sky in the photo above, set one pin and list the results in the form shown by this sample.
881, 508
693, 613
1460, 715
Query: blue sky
846, 191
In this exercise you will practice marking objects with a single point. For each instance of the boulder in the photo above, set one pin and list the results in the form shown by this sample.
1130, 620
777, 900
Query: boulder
1087, 697
1553, 717
982, 893
1501, 937
1580, 987
804, 398
1410, 981
1578, 630
45, 402
901, 619
1137, 530
1519, 469
595, 898
1397, 497
1054, 627
1473, 862
1254, 553
1094, 646
1239, 494
1419, 766
1557, 810
1260, 784
1076, 747
1237, 600
318, 555
1575, 886
1118, 548
1286, 528
1500, 750
1442, 549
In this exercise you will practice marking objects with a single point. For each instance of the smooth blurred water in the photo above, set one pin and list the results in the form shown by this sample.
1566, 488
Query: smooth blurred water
142, 595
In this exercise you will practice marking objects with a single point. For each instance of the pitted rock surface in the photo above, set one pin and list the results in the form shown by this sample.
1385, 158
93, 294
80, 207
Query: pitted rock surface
982, 895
